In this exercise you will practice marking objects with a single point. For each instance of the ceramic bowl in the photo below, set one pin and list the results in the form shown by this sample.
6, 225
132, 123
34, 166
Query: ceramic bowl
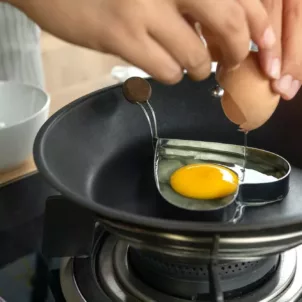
23, 110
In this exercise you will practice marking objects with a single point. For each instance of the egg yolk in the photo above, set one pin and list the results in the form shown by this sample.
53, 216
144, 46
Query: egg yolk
204, 181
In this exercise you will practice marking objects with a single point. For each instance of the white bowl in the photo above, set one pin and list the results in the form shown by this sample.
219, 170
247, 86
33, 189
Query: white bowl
23, 110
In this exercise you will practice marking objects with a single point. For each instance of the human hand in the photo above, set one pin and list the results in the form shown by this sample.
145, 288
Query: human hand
155, 35
288, 14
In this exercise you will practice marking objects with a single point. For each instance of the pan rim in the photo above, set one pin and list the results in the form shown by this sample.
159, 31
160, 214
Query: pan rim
110, 214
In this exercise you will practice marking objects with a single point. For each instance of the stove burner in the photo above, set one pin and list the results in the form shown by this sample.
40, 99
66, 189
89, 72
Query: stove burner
181, 277
111, 275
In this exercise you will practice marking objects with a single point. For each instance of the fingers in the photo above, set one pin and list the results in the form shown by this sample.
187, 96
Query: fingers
183, 43
147, 54
213, 46
229, 32
270, 59
232, 25
262, 33
291, 76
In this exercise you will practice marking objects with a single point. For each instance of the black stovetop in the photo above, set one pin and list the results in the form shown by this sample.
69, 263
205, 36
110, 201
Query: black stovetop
22, 206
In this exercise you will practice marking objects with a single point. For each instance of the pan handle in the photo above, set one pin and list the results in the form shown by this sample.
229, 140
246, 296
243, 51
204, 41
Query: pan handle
138, 91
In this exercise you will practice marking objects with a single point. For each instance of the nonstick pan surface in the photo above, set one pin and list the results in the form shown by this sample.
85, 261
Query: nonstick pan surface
97, 151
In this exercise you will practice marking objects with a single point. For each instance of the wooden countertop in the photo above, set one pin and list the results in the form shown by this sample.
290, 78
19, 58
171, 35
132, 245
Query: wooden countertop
67, 80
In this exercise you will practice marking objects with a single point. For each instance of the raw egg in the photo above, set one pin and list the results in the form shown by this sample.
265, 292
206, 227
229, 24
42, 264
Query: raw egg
248, 100
204, 181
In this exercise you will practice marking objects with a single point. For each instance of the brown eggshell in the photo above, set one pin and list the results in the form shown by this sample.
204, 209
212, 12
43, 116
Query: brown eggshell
248, 100
231, 109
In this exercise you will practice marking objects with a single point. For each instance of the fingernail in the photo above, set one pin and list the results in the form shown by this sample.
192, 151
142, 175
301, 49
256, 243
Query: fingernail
274, 68
296, 85
287, 87
284, 84
268, 38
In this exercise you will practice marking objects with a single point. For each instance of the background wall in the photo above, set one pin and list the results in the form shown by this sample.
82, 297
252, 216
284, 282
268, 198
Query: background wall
72, 71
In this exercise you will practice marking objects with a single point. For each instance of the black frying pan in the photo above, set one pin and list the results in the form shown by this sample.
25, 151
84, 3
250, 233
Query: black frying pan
97, 152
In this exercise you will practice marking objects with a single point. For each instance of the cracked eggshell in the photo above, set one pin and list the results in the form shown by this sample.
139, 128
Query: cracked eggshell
248, 100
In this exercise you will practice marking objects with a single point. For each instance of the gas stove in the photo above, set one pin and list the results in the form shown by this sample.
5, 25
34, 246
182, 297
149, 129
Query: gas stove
111, 269
118, 272
99, 264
